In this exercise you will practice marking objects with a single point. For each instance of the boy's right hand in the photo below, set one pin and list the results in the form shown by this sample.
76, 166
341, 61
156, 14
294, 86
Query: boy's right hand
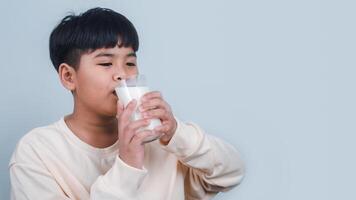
131, 147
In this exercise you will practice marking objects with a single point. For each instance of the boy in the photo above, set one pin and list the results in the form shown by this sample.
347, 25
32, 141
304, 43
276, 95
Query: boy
96, 152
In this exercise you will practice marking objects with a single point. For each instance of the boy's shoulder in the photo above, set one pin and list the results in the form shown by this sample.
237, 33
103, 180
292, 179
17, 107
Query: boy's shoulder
43, 134
37, 140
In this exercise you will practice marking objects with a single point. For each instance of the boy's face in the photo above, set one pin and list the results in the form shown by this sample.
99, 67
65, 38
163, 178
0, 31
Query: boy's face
97, 77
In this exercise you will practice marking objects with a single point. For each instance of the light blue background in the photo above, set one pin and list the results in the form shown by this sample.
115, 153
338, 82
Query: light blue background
274, 78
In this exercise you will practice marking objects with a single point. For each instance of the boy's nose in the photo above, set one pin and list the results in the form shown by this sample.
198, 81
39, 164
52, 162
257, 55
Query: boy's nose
119, 73
117, 77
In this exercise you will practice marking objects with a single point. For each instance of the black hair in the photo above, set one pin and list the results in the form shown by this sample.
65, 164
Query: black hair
91, 30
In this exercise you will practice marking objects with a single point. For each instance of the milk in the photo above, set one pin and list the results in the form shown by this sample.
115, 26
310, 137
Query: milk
126, 94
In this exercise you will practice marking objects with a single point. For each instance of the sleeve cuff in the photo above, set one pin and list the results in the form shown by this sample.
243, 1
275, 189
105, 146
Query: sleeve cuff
185, 140
121, 175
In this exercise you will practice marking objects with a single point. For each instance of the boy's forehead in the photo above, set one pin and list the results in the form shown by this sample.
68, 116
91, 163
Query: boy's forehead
111, 52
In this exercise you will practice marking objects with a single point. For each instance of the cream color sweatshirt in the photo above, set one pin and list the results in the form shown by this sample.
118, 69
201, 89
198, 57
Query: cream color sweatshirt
53, 163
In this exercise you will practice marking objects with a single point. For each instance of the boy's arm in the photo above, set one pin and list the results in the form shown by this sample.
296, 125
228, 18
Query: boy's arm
121, 182
31, 179
212, 165
32, 182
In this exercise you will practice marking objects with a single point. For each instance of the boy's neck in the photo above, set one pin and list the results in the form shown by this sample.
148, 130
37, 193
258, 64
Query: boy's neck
94, 130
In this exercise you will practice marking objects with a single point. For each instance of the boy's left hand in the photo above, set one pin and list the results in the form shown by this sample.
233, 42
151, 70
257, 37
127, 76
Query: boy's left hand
154, 106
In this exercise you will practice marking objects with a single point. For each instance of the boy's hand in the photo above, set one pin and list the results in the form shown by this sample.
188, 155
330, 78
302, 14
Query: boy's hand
131, 147
154, 106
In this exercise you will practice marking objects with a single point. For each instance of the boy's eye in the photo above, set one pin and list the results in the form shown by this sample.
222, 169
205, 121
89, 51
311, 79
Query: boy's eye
131, 64
105, 64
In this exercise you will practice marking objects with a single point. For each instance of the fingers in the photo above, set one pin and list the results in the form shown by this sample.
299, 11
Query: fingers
140, 137
154, 107
131, 129
135, 125
153, 103
164, 128
124, 120
156, 113
130, 108
150, 95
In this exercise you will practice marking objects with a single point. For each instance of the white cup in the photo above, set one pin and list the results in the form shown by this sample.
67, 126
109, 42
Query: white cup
134, 87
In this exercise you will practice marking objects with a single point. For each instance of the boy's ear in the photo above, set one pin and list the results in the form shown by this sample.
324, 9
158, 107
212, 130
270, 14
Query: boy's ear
67, 75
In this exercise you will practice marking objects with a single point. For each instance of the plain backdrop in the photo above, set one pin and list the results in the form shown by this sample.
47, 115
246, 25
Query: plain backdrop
274, 78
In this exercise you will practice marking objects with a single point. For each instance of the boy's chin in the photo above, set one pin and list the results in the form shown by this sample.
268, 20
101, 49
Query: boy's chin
111, 112
111, 116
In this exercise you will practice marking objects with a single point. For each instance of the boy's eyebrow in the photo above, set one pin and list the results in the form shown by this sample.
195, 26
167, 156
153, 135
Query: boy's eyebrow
132, 54
104, 55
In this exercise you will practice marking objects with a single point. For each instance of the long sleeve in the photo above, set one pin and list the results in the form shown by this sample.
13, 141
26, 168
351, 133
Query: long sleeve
31, 182
29, 177
34, 176
211, 164
120, 182
50, 163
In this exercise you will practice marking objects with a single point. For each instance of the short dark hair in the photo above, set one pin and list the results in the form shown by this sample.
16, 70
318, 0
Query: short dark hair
91, 30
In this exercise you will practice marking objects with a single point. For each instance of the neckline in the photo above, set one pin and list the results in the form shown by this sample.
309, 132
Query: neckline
107, 151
